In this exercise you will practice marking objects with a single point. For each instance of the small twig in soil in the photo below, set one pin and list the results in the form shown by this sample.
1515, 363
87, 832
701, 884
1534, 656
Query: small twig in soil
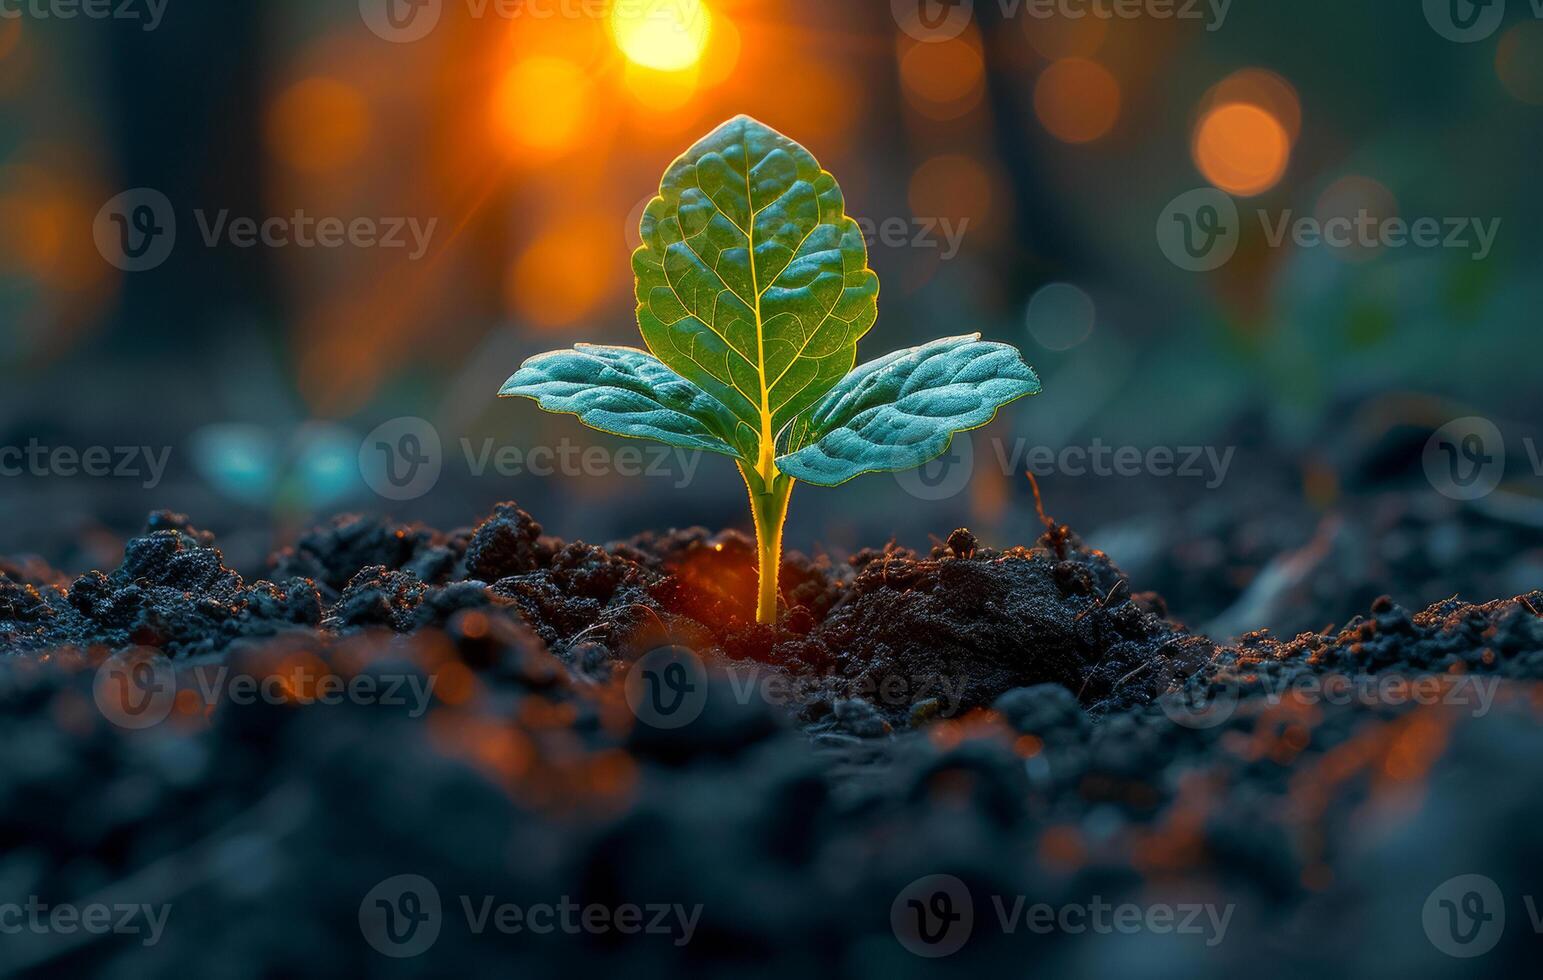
1039, 503
1527, 605
1118, 593
1121, 682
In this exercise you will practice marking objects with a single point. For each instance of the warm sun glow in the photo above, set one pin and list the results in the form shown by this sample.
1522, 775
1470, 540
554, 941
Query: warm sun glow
1242, 149
547, 288
541, 104
319, 125
665, 35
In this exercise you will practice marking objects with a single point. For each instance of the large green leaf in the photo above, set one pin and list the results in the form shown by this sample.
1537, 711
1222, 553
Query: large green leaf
625, 391
903, 409
752, 281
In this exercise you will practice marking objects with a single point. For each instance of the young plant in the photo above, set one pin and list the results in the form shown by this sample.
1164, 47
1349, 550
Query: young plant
753, 290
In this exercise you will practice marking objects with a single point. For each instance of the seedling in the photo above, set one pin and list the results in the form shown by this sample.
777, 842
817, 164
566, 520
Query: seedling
753, 290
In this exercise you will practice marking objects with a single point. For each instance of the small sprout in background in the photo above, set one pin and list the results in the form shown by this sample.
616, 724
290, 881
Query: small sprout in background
753, 290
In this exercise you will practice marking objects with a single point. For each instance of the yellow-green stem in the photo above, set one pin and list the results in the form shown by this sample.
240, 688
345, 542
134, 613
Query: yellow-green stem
770, 508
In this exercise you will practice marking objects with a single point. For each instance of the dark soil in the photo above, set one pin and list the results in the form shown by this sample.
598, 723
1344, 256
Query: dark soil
1026, 719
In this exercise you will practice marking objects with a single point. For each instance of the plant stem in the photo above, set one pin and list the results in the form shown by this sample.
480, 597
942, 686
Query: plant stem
770, 508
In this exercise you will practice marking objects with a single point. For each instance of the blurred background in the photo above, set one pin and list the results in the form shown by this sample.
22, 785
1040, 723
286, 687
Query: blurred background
1016, 164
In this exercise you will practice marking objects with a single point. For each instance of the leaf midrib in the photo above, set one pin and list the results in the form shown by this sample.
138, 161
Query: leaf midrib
768, 458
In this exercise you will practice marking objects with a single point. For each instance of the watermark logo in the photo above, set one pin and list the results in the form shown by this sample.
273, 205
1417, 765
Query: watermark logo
148, 13
139, 688
944, 20
406, 21
933, 20
401, 21
135, 689
1464, 916
666, 688
943, 477
402, 459
1191, 706
38, 918
136, 230
1465, 21
948, 475
571, 459
401, 916
1199, 230
942, 235
147, 464
933, 916
1465, 459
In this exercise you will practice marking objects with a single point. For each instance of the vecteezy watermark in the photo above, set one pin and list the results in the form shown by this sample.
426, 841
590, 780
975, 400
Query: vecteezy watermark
666, 688
890, 690
146, 464
147, 13
1468, 21
1464, 916
136, 231
401, 459
406, 21
404, 458
1213, 704
572, 459
942, 235
934, 916
34, 916
1200, 230
403, 917
944, 20
1466, 458
948, 475
138, 689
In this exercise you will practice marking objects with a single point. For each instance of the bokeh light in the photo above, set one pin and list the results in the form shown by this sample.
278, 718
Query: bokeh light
1263, 88
1355, 198
1066, 37
540, 104
566, 271
723, 51
1519, 62
666, 36
10, 36
943, 79
1060, 316
823, 102
319, 125
1241, 148
661, 91
1077, 100
951, 186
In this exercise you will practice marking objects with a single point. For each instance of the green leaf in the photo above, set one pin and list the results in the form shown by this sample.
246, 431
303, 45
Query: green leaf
752, 281
903, 409
627, 392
